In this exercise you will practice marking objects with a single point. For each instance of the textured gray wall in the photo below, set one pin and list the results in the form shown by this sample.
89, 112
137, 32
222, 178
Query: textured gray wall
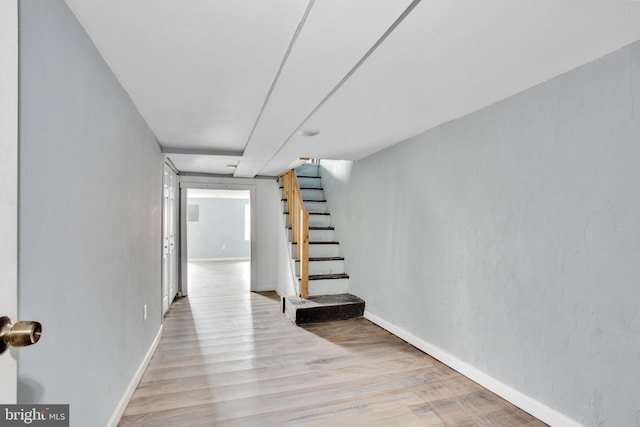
90, 208
511, 238
219, 231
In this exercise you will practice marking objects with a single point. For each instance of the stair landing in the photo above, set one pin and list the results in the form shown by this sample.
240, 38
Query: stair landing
322, 308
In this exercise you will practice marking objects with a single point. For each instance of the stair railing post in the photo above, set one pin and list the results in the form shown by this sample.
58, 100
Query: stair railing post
286, 186
304, 255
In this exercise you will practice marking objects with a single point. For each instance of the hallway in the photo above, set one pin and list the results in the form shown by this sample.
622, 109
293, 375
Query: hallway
229, 357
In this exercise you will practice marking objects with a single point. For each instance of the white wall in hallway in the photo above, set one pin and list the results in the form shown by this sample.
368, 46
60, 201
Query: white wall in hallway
90, 209
510, 239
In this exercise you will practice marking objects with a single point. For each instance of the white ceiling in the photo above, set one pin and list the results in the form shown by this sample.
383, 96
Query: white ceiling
230, 83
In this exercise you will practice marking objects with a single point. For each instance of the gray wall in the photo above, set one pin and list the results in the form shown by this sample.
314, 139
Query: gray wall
90, 208
511, 238
219, 231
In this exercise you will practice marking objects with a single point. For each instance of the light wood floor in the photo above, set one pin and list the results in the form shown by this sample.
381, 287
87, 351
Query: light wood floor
229, 357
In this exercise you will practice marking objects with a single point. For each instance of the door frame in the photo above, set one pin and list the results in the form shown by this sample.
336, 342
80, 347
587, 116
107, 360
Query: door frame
9, 142
184, 186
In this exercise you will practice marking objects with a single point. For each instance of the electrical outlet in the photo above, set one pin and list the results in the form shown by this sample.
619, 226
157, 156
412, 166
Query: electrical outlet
144, 312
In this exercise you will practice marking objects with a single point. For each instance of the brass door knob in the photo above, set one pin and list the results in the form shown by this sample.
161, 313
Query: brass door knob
20, 334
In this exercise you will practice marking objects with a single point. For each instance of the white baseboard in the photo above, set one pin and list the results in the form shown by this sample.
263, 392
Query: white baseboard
524, 402
219, 259
124, 401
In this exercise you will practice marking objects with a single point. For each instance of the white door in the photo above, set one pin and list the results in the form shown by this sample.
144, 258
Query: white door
173, 228
165, 240
169, 237
8, 186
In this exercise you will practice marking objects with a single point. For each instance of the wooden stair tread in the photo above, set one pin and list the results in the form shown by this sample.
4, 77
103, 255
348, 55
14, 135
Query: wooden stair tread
327, 258
324, 300
306, 200
321, 242
305, 188
318, 228
310, 213
328, 276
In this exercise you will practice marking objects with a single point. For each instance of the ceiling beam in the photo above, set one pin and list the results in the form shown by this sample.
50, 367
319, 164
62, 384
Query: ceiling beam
200, 152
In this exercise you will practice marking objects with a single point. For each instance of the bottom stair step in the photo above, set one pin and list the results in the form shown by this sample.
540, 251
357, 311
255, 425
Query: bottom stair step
322, 308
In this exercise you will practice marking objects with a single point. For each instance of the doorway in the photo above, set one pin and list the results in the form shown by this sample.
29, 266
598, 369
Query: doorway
218, 233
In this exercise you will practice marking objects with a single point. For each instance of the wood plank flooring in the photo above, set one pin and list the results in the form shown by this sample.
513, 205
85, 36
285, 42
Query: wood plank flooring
229, 357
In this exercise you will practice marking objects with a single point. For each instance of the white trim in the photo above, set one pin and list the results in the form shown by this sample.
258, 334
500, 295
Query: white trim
168, 162
9, 186
219, 259
124, 401
182, 286
521, 400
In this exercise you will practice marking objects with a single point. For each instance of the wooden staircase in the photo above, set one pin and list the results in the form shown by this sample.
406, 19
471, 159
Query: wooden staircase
324, 290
